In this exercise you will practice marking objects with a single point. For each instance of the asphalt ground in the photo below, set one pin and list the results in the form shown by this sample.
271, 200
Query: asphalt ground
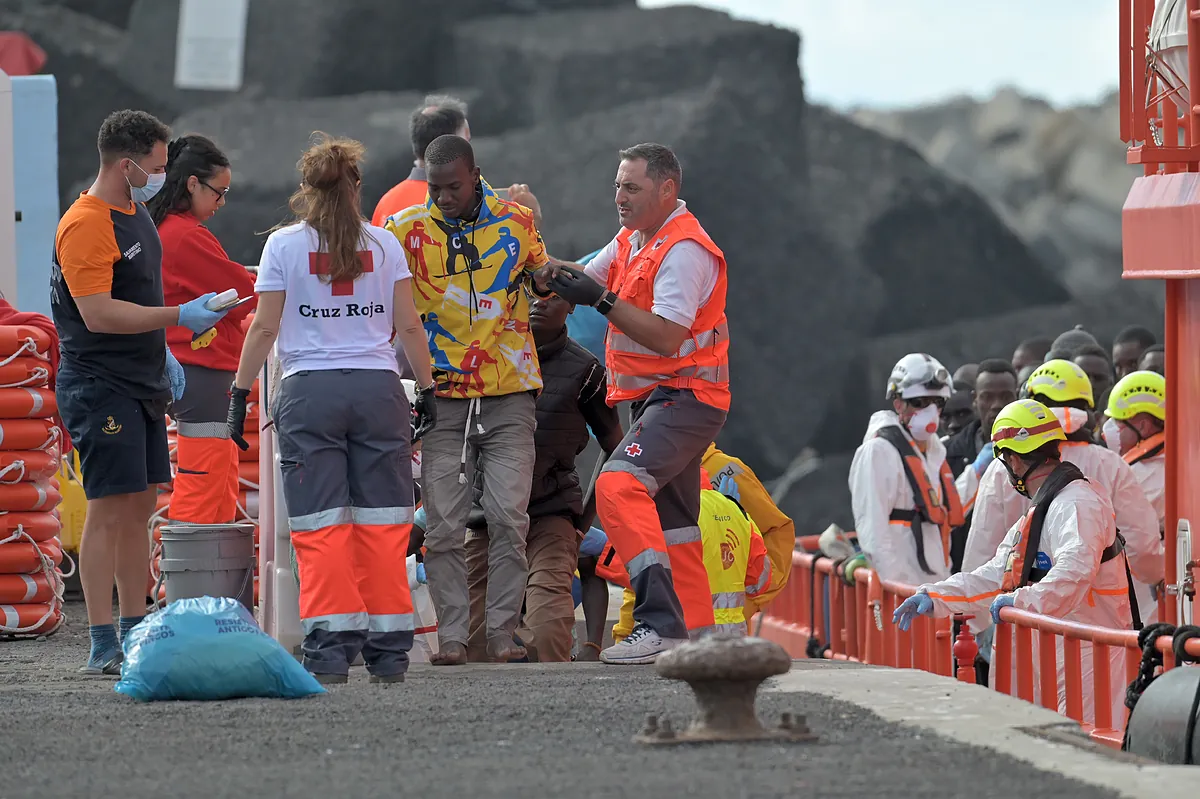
478, 731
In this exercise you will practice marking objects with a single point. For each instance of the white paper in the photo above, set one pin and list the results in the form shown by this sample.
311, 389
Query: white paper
211, 44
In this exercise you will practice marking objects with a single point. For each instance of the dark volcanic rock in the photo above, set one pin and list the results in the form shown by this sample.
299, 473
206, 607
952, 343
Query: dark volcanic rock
557, 66
798, 304
114, 12
942, 253
324, 48
822, 497
84, 55
265, 139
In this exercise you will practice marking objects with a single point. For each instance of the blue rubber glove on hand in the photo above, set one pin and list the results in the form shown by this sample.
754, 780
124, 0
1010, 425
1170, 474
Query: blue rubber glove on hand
421, 574
1002, 601
593, 543
984, 459
729, 487
196, 318
917, 604
175, 375
419, 518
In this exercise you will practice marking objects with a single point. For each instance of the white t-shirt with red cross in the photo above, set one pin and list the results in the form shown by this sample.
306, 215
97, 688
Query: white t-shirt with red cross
339, 325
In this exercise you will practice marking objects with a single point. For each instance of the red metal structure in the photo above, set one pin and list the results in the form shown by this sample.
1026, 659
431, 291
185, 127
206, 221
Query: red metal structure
1161, 240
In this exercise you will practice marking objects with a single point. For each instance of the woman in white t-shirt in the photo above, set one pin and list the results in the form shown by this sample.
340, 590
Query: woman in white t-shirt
331, 291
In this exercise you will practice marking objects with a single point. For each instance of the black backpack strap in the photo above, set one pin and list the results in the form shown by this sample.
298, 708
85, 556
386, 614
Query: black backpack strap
1063, 475
895, 437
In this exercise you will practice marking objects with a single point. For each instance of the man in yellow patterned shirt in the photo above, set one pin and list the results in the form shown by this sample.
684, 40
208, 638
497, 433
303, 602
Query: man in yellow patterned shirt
471, 253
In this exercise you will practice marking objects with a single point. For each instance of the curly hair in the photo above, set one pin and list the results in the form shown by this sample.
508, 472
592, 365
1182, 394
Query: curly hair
130, 134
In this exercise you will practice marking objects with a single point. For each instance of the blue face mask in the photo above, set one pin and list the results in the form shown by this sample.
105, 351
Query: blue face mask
154, 184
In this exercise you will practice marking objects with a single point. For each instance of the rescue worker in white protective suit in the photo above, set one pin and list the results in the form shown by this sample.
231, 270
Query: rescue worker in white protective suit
1065, 389
1136, 428
904, 499
1062, 558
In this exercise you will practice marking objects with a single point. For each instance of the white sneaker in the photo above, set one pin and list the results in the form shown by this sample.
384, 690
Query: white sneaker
642, 646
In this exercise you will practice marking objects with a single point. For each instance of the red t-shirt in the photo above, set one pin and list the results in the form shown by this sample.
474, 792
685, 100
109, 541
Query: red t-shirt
407, 193
195, 263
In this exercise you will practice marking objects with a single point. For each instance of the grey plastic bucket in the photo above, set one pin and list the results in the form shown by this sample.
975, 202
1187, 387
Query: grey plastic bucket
208, 560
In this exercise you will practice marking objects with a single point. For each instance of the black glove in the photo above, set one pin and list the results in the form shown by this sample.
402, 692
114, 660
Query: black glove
425, 412
236, 420
574, 286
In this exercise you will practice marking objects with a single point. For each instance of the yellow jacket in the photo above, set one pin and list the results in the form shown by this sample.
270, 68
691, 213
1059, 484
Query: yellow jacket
467, 284
778, 531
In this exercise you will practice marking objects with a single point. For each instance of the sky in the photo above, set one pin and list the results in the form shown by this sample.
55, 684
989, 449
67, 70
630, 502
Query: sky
897, 53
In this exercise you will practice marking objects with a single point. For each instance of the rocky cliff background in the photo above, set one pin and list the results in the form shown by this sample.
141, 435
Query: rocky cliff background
957, 229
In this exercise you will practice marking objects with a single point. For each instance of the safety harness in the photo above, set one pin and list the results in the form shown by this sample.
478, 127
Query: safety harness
1024, 570
946, 513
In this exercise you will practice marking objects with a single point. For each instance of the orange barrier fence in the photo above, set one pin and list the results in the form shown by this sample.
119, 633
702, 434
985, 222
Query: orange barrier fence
819, 615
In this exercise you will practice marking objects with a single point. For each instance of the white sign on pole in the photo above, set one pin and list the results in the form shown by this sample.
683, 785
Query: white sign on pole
211, 44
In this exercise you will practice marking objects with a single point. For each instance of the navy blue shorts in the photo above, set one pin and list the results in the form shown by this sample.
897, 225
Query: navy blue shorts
122, 441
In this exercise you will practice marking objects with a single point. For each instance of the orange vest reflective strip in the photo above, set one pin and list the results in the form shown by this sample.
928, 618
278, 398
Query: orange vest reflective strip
1146, 448
701, 363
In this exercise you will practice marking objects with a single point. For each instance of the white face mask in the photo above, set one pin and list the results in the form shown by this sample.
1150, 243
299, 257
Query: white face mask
924, 423
1112, 434
154, 184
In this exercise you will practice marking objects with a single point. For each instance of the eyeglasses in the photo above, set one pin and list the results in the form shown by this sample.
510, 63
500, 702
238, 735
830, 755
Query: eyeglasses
221, 193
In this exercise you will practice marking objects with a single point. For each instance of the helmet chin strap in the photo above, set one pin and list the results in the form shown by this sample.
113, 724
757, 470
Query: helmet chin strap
1019, 483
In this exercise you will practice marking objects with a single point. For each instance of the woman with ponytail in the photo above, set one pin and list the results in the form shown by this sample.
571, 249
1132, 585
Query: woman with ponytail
194, 263
332, 292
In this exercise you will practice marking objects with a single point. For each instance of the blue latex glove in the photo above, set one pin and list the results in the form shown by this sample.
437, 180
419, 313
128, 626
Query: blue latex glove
917, 604
196, 318
419, 518
175, 375
421, 574
729, 487
984, 459
1002, 601
593, 543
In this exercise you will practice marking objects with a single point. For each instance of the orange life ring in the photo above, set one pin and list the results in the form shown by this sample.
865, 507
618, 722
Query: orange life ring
29, 496
21, 557
248, 470
24, 372
22, 339
19, 403
15, 618
39, 526
27, 434
26, 466
16, 589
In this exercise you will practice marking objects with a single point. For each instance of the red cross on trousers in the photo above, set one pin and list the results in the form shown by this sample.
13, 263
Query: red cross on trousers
318, 264
633, 450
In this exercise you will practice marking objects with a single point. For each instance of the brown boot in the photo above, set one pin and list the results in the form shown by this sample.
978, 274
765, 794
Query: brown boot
452, 654
501, 650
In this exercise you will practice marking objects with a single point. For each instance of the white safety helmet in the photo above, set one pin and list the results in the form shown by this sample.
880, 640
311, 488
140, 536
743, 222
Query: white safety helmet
918, 375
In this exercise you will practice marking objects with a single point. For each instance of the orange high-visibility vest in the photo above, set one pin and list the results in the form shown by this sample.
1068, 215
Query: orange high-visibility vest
1147, 448
702, 362
946, 513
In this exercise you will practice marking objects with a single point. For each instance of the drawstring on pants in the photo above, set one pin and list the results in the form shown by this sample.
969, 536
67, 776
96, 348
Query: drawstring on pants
474, 407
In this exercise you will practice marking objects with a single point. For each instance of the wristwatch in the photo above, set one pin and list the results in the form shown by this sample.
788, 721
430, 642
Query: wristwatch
606, 302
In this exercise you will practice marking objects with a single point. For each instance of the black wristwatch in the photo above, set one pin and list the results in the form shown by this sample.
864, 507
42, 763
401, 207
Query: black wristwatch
606, 302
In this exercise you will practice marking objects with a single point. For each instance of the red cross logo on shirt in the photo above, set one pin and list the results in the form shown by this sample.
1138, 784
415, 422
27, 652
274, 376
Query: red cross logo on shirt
633, 450
318, 264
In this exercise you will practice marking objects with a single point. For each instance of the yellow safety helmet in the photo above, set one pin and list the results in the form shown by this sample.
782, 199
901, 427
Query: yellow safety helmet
1061, 381
1138, 392
1025, 425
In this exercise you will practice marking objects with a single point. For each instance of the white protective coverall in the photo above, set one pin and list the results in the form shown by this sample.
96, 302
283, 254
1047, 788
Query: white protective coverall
998, 507
1151, 474
1078, 527
877, 487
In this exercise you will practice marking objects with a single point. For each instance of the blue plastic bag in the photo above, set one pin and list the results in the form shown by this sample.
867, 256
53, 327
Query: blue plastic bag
208, 648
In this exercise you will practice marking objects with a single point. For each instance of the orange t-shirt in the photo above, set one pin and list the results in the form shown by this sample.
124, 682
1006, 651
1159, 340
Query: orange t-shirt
409, 192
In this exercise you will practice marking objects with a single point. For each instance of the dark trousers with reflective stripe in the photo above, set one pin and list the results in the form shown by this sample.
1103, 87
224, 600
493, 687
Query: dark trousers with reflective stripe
648, 496
205, 489
347, 480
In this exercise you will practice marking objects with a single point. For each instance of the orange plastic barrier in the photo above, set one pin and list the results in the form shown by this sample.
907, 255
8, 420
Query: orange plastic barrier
860, 628
18, 403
